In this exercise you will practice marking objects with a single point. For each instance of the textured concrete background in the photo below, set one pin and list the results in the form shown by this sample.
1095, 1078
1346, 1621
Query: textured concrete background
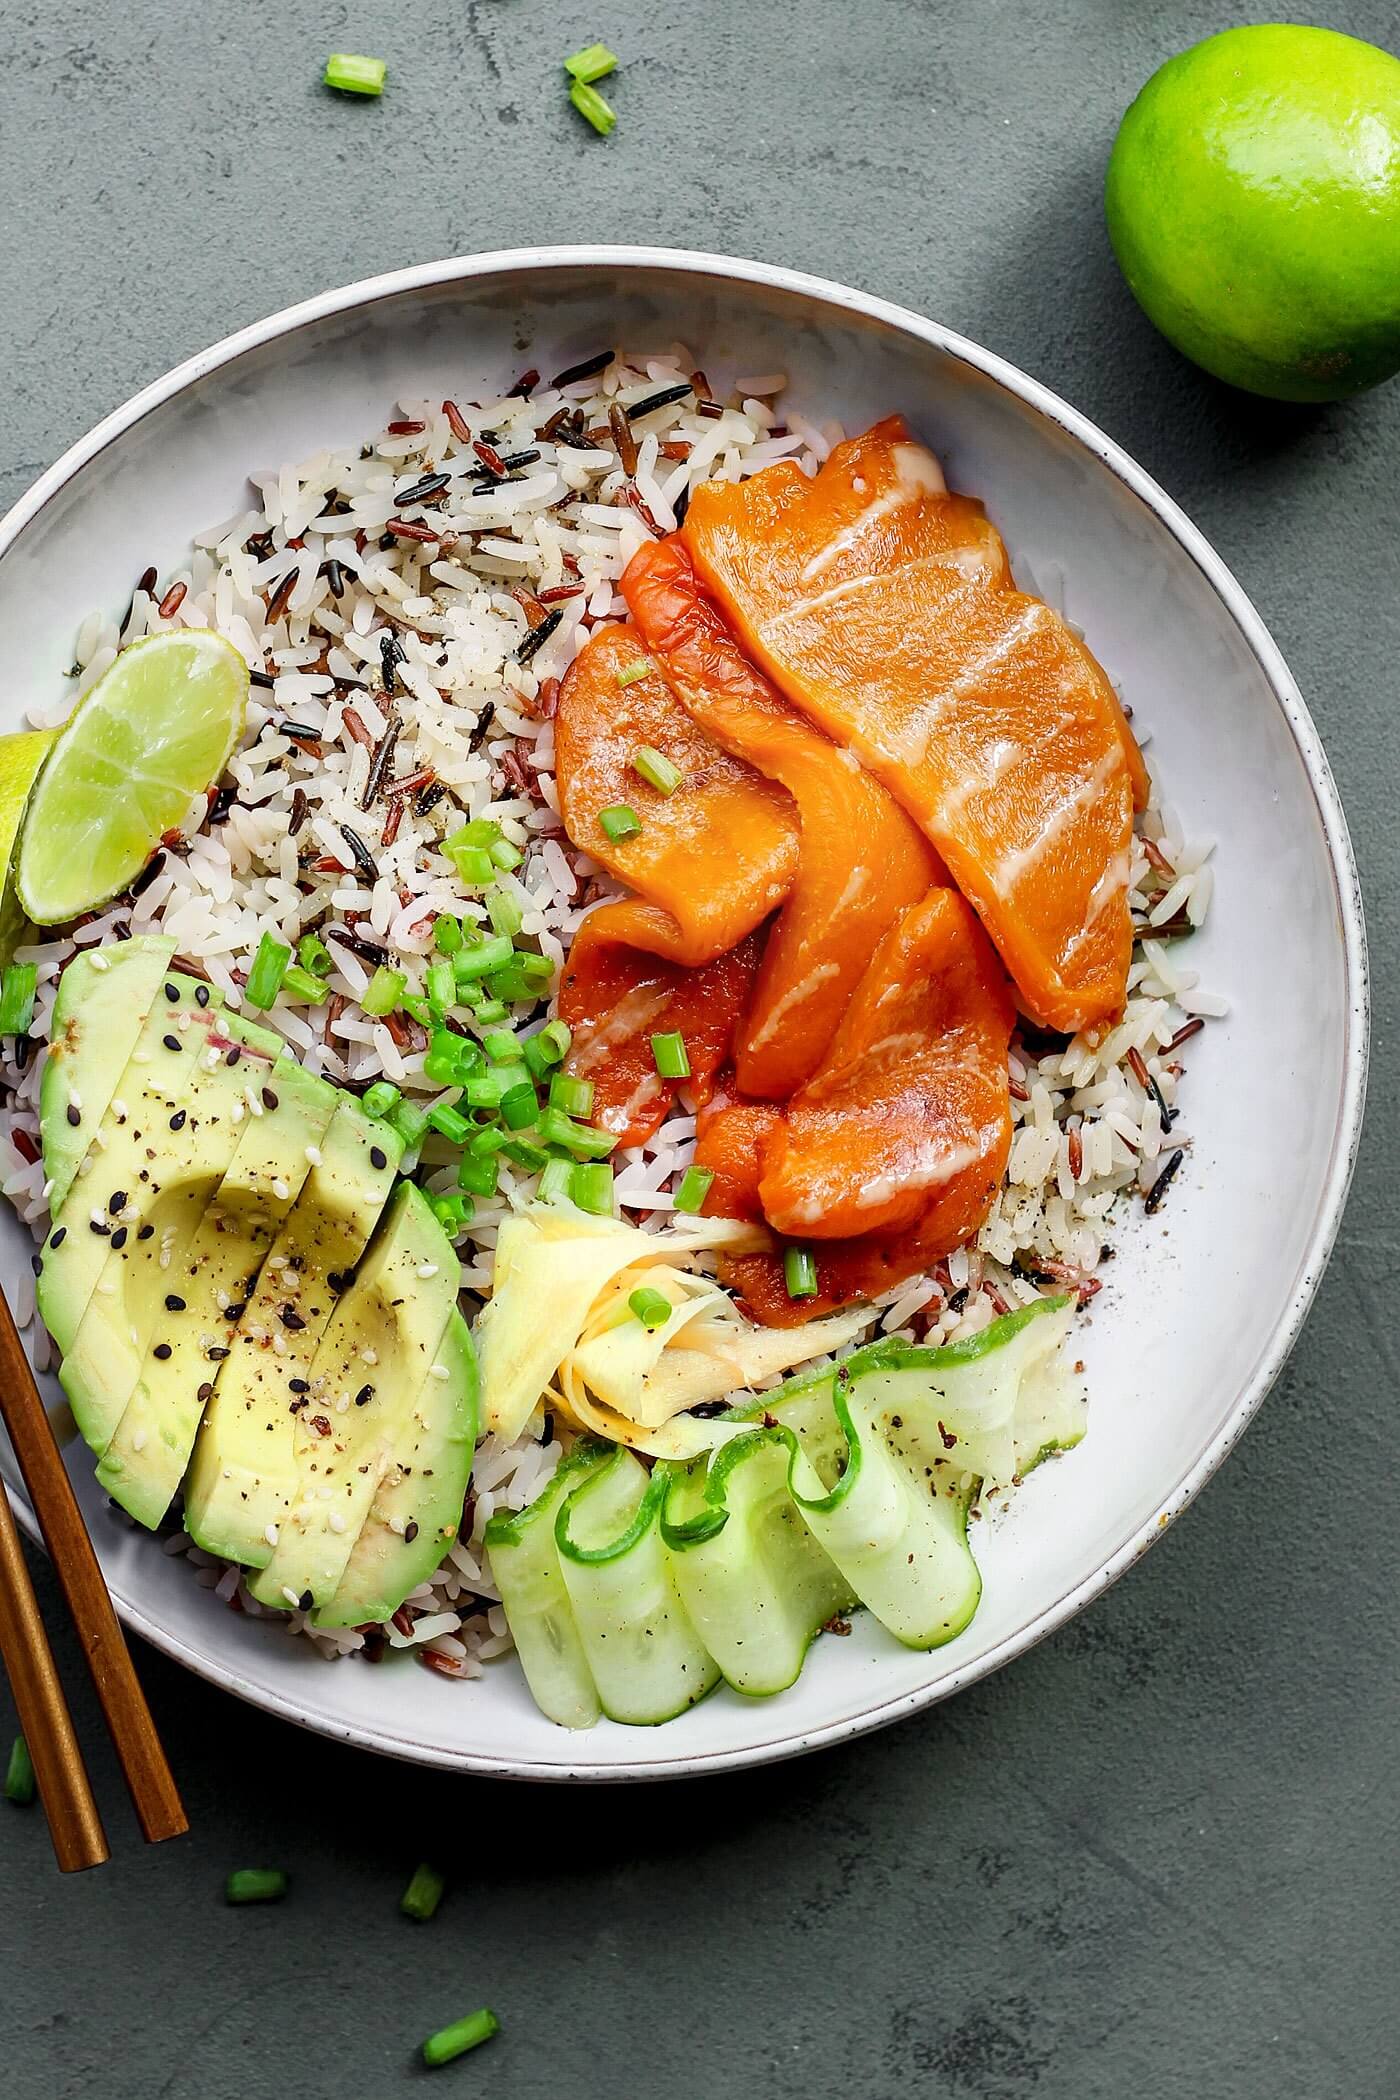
1157, 1857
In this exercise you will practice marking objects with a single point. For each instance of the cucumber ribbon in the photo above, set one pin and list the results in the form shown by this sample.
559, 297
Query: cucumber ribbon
632, 1592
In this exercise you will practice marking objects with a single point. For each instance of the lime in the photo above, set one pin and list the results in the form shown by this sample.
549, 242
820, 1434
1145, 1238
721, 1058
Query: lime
156, 728
1253, 201
20, 759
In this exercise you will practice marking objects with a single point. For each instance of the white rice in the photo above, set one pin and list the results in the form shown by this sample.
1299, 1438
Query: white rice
1089, 1128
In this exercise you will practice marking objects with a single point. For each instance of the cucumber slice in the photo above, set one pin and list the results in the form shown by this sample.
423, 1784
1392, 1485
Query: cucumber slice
525, 1563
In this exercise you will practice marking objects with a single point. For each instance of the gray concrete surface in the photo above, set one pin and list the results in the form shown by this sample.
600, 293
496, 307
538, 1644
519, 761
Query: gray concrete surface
1158, 1857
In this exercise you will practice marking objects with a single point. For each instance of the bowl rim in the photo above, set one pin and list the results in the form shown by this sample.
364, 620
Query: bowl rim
777, 1742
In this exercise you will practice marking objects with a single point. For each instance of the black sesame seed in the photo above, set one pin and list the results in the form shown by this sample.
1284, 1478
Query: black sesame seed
305, 1601
36, 1263
116, 1202
174, 1304
290, 1317
201, 995
410, 1532
205, 1392
172, 993
119, 1237
161, 1351
96, 1225
269, 1099
216, 1355
171, 1042
298, 1385
58, 1236
364, 1396
177, 1121
232, 1056
146, 1232
236, 1312
378, 1157
75, 1115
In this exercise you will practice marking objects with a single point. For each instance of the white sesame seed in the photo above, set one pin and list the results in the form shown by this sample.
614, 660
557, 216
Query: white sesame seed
182, 1022
119, 1109
85, 1165
254, 1104
290, 1595
279, 1343
222, 1300
369, 1355
100, 961
440, 1371
336, 1521
48, 1190
237, 1112
76, 1098
427, 1269
271, 1534
313, 1155
165, 1257
107, 1290
138, 1439
140, 1057
281, 1191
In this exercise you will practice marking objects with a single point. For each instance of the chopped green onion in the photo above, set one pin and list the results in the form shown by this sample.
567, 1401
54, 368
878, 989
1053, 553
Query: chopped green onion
573, 1096
448, 2042
303, 985
352, 75
656, 769
410, 1121
264, 979
424, 1893
453, 1213
620, 821
380, 1098
535, 968
486, 1089
449, 1122
505, 856
630, 673
592, 1188
592, 63
419, 1008
19, 1774
489, 1138
489, 1011
696, 1183
578, 1139
447, 934
442, 986
531, 1157
480, 831
383, 992
590, 105
652, 1308
558, 1036
480, 961
314, 955
506, 913
800, 1273
478, 1172
519, 1106
501, 1047
17, 997
669, 1052
256, 1885
474, 865
556, 1179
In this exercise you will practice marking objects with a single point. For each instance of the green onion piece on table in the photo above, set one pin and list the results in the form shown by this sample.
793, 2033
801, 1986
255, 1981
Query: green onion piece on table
301, 984
669, 1053
592, 1188
652, 1308
379, 1099
573, 1096
383, 992
619, 821
800, 1272
265, 977
256, 1885
696, 1183
19, 1774
350, 74
591, 106
656, 769
423, 1894
592, 63
448, 2042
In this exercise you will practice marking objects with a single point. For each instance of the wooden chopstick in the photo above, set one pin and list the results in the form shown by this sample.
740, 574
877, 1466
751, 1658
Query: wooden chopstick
75, 1826
153, 1791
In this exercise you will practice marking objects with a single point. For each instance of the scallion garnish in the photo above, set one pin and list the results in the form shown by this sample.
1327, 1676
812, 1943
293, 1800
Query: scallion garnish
350, 74
265, 977
524, 1154
447, 934
652, 1308
379, 1099
505, 912
519, 1106
505, 856
501, 1047
17, 997
556, 1179
630, 673
619, 821
591, 1187
449, 1122
442, 986
554, 1041
594, 62
474, 865
19, 1774
454, 1213
591, 106
381, 995
580, 1140
573, 1096
448, 2042
656, 769
669, 1052
478, 1172
314, 955
410, 1121
800, 1273
489, 1011
474, 963
301, 984
696, 1183
256, 1885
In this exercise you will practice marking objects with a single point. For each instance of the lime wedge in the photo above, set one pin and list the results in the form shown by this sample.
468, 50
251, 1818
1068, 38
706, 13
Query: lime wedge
20, 759
154, 730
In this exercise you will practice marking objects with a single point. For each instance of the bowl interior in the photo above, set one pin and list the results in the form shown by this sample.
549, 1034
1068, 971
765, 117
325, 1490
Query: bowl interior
1199, 1305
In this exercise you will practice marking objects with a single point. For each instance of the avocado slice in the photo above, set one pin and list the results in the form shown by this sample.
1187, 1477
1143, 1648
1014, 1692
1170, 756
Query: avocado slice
381, 1342
244, 1471
174, 1035
103, 999
209, 1279
417, 1507
172, 1167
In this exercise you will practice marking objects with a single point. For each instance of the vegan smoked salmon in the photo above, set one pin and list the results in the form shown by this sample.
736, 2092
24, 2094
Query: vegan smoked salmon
862, 860
882, 607
711, 860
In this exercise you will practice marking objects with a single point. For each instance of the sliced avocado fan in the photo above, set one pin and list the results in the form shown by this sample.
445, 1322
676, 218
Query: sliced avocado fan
104, 997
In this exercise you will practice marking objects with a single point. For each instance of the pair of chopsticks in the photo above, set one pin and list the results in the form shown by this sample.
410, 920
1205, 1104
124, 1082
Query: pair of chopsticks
74, 1823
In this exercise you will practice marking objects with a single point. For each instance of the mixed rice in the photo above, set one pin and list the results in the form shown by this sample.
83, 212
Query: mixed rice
407, 611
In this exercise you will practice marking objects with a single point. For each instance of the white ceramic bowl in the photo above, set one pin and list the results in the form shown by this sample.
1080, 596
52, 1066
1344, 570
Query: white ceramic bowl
1203, 1306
